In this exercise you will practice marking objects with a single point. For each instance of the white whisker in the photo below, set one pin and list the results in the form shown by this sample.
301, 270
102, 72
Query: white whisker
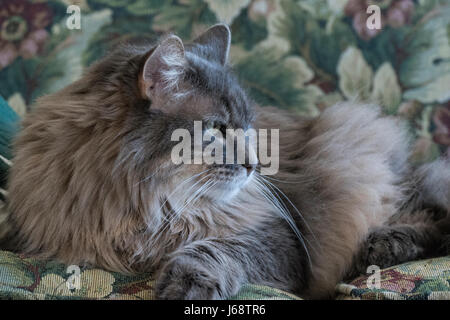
269, 196
180, 185
6, 161
177, 214
4, 192
293, 206
153, 174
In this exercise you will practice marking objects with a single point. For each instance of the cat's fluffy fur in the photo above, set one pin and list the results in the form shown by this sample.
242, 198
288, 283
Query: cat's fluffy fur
92, 182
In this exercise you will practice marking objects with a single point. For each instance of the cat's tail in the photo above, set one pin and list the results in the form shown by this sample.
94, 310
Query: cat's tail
435, 195
432, 185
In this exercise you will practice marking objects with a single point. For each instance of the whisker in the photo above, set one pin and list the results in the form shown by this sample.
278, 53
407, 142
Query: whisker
293, 206
181, 184
6, 161
165, 165
201, 191
191, 200
282, 181
205, 191
198, 191
176, 216
268, 195
4, 192
294, 181
178, 212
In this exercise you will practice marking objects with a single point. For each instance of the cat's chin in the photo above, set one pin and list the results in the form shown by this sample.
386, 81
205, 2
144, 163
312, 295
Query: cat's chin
222, 194
225, 191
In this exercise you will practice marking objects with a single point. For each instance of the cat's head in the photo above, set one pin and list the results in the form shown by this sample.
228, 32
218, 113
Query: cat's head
162, 89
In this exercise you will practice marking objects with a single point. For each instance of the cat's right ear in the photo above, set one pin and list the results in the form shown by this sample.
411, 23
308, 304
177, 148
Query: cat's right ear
163, 68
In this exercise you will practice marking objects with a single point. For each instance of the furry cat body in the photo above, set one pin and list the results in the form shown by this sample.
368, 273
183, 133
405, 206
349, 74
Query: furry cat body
92, 182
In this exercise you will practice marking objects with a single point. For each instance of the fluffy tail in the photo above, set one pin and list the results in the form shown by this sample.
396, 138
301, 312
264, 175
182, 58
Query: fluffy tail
427, 210
436, 194
421, 229
431, 185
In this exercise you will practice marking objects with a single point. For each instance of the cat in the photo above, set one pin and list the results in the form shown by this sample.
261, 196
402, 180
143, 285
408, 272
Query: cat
92, 181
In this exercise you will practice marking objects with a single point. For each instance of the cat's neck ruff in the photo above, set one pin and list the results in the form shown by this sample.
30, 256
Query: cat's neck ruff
204, 219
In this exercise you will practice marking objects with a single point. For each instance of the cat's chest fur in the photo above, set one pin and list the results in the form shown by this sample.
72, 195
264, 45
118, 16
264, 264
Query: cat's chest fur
154, 242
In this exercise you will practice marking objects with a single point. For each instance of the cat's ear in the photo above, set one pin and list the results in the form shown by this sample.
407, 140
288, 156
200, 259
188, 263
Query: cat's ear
214, 43
163, 68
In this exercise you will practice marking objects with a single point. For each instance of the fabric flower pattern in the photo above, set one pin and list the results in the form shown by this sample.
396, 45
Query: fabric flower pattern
94, 284
393, 280
27, 278
301, 55
426, 279
260, 9
22, 29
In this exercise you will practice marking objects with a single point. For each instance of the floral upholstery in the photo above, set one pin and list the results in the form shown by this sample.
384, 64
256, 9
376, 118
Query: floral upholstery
418, 280
27, 278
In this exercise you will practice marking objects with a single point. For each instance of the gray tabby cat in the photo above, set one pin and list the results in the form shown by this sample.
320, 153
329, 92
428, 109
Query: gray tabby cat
93, 182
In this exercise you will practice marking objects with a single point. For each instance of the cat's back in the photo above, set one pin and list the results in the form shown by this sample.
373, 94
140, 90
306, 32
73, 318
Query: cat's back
343, 171
54, 181
347, 129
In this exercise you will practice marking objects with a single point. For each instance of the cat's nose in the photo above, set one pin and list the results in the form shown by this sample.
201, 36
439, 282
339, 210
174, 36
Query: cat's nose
250, 168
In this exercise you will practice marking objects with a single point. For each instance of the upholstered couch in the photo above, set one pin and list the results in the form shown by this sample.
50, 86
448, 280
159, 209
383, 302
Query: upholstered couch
27, 278
300, 55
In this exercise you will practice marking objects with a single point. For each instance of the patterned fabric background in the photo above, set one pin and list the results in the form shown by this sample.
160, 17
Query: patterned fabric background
26, 278
419, 280
302, 55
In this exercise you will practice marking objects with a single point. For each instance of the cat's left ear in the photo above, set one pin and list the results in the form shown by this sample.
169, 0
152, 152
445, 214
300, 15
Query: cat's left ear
214, 43
163, 68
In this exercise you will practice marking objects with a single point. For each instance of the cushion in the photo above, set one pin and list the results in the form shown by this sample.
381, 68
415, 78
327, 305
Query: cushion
281, 62
418, 280
28, 278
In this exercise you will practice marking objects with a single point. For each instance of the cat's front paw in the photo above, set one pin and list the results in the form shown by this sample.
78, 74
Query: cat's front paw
184, 278
387, 247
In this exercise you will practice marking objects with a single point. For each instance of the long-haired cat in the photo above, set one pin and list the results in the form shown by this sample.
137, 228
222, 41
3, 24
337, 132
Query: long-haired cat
93, 183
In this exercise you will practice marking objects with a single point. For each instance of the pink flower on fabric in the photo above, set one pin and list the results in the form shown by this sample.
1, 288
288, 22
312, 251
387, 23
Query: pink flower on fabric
22, 29
394, 13
391, 280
